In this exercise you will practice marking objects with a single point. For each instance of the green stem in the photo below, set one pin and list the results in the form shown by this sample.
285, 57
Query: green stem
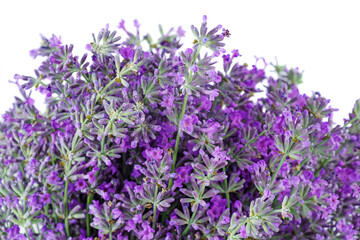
89, 199
27, 234
317, 146
236, 230
301, 165
281, 162
47, 209
42, 84
66, 206
110, 234
154, 206
322, 165
282, 236
227, 190
278, 169
103, 144
250, 142
351, 121
103, 90
166, 214
189, 225
178, 139
119, 76
180, 118
193, 215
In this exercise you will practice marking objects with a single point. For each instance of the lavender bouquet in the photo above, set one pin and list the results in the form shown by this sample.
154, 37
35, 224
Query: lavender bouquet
159, 144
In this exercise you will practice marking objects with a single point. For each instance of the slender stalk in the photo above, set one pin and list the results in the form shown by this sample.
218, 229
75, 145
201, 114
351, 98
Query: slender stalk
106, 87
66, 206
278, 169
112, 81
88, 202
89, 199
166, 214
351, 121
282, 236
227, 190
37, 228
180, 118
110, 234
301, 165
236, 230
192, 216
154, 206
27, 234
47, 209
189, 225
281, 162
318, 145
177, 139
322, 165
250, 142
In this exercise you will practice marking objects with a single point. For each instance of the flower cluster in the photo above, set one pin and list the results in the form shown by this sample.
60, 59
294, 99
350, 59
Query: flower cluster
159, 144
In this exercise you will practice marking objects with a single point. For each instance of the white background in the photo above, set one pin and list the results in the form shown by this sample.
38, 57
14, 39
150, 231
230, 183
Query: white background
320, 37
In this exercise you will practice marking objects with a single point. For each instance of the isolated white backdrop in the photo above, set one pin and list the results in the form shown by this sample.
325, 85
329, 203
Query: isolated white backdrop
320, 37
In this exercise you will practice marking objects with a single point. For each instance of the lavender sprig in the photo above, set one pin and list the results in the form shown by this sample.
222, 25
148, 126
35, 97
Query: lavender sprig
160, 144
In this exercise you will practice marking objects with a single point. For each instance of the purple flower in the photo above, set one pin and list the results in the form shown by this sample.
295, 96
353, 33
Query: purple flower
343, 227
45, 198
136, 23
31, 167
356, 190
194, 68
183, 175
122, 24
130, 226
212, 94
189, 51
116, 213
235, 53
242, 232
60, 227
34, 201
91, 177
204, 40
214, 77
147, 232
179, 79
12, 232
154, 154
53, 178
113, 133
55, 41
217, 207
308, 175
127, 52
187, 123
180, 32
168, 101
333, 201
137, 218
80, 184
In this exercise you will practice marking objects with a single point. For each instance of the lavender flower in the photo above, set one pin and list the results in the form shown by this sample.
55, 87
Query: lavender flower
161, 144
